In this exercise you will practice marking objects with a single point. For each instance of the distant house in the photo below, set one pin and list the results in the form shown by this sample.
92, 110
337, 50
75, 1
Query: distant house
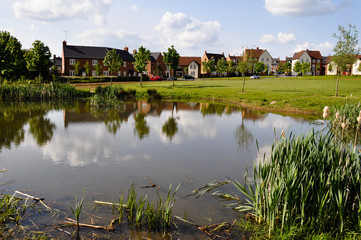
193, 65
94, 55
314, 58
156, 65
356, 66
327, 66
259, 55
57, 63
208, 56
234, 59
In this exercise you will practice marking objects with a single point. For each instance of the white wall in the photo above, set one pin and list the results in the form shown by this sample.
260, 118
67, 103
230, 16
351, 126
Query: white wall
355, 67
334, 69
303, 58
266, 58
193, 69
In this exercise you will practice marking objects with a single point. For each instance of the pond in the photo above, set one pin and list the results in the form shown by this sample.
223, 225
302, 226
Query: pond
58, 151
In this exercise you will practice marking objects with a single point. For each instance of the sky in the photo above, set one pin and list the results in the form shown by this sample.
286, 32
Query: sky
283, 27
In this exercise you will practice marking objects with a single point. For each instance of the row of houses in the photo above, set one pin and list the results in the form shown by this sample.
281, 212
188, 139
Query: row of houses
94, 57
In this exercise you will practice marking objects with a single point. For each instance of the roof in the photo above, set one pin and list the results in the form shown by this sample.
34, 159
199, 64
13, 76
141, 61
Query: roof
86, 52
215, 56
254, 52
154, 56
312, 54
234, 57
57, 61
185, 61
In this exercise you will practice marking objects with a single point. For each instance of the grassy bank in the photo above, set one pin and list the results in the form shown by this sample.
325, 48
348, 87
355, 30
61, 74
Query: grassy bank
304, 95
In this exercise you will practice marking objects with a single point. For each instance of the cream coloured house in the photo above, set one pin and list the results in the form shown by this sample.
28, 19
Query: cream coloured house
356, 67
266, 58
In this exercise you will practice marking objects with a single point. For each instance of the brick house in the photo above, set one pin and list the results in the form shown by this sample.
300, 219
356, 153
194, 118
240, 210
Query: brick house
313, 57
259, 55
156, 65
94, 55
208, 56
193, 64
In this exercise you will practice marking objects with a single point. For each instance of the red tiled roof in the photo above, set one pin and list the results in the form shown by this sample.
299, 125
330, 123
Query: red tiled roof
254, 52
185, 61
312, 54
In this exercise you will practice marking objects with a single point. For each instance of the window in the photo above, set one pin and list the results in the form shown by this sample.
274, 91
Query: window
263, 59
94, 62
72, 73
307, 60
318, 61
301, 60
124, 73
119, 73
314, 60
134, 74
267, 59
106, 73
58, 68
94, 73
83, 74
124, 64
71, 61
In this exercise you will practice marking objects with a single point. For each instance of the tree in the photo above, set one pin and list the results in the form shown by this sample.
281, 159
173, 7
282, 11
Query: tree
141, 127
281, 67
260, 67
171, 58
12, 62
346, 50
297, 67
318, 67
98, 68
38, 59
230, 68
87, 68
243, 68
76, 67
288, 67
330, 67
305, 67
221, 66
359, 67
209, 66
54, 73
113, 61
142, 56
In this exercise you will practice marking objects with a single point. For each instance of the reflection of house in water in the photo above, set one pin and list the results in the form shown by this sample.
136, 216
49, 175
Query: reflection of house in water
156, 108
251, 115
85, 113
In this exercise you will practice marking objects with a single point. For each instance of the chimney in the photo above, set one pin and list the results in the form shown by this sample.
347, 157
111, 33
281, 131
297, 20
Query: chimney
134, 51
64, 43
257, 48
223, 53
126, 49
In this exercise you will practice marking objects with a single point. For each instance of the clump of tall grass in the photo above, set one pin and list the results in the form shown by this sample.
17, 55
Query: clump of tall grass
142, 213
346, 117
311, 182
11, 211
110, 95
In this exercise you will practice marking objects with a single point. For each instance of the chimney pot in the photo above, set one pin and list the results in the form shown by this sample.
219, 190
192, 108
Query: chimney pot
126, 49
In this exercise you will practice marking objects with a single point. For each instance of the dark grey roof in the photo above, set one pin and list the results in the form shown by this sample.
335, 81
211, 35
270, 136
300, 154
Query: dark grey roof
87, 52
215, 56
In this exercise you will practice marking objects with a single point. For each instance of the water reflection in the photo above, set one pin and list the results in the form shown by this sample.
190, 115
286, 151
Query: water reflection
141, 127
42, 129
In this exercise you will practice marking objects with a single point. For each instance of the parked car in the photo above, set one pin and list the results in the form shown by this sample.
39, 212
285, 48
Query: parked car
188, 77
155, 78
255, 76
172, 78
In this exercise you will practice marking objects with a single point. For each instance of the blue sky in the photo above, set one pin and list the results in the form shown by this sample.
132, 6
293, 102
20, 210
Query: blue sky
280, 26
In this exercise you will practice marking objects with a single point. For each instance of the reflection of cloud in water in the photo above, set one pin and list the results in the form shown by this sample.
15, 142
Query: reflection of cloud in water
82, 148
133, 157
274, 121
188, 128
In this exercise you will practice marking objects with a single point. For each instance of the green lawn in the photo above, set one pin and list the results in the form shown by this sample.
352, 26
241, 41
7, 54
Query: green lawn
303, 95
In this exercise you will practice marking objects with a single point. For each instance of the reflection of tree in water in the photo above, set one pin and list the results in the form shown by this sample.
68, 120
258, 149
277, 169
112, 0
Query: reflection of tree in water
141, 128
13, 117
243, 137
113, 121
209, 108
170, 127
42, 129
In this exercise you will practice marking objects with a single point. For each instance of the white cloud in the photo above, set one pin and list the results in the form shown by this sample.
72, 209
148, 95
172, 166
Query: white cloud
325, 48
59, 10
111, 38
283, 38
135, 7
300, 7
185, 32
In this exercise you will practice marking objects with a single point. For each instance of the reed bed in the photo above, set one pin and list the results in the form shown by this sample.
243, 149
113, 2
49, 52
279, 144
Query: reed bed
39, 92
311, 182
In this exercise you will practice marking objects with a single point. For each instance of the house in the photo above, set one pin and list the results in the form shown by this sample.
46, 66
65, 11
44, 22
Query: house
57, 63
330, 70
208, 56
94, 56
156, 66
234, 59
259, 55
192, 64
356, 67
314, 58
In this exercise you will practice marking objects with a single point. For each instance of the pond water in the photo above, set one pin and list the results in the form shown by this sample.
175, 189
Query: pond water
59, 151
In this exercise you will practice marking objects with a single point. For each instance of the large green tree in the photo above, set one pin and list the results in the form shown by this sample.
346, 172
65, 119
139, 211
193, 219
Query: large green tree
297, 67
209, 66
260, 67
305, 67
171, 59
288, 67
38, 59
113, 61
12, 62
142, 56
230, 68
346, 50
